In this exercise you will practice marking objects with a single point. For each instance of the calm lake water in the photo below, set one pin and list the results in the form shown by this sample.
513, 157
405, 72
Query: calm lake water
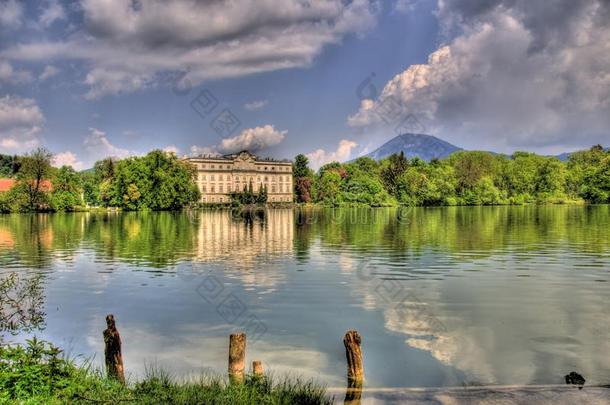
441, 296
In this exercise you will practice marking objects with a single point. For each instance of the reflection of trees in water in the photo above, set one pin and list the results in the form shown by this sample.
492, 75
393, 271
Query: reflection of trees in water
33, 240
159, 239
21, 302
155, 239
476, 231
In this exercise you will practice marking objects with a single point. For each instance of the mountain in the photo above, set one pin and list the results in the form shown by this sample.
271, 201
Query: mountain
565, 156
425, 147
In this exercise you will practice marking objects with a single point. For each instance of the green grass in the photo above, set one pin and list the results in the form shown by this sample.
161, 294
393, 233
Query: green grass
37, 374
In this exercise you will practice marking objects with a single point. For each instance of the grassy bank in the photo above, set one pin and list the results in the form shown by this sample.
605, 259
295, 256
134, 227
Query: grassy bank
37, 374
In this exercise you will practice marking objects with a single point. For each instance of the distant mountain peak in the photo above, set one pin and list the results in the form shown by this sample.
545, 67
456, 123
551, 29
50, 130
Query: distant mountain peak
426, 147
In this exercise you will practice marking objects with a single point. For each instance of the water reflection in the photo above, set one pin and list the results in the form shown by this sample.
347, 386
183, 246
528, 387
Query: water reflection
244, 242
458, 295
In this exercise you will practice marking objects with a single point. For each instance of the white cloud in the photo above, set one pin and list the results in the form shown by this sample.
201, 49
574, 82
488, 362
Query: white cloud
21, 122
103, 82
54, 11
8, 74
256, 105
320, 157
130, 45
172, 149
11, 12
98, 146
518, 75
68, 158
253, 139
49, 71
204, 150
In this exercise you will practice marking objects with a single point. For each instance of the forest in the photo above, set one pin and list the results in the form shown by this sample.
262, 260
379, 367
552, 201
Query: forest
464, 178
162, 181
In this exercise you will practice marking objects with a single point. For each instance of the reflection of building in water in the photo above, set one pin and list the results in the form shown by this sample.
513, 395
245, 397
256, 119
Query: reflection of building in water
217, 176
222, 237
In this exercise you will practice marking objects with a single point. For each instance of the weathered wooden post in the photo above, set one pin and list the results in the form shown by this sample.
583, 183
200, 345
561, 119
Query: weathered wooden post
237, 357
257, 368
353, 353
112, 350
355, 370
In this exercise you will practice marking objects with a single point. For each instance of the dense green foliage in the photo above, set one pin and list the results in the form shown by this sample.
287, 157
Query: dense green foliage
157, 181
9, 165
41, 187
37, 373
464, 178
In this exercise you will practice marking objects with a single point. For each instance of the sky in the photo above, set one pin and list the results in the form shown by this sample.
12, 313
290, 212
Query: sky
333, 79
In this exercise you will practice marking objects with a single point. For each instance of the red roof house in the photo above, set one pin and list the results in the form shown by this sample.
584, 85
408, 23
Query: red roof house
7, 184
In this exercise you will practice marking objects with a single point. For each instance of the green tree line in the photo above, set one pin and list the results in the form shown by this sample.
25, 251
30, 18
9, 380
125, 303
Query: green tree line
157, 181
464, 178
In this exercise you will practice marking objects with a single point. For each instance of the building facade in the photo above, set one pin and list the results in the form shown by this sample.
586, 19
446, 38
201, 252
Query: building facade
218, 176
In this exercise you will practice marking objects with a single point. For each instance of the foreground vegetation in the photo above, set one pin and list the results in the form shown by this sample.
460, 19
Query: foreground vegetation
464, 178
36, 373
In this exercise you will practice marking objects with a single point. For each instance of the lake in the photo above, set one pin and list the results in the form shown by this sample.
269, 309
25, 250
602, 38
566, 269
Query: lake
441, 296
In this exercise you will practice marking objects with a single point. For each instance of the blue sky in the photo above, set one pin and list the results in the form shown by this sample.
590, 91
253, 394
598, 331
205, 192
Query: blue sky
90, 79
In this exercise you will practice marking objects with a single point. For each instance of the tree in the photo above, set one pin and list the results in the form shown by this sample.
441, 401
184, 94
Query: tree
596, 187
301, 167
391, 171
328, 186
550, 181
34, 171
67, 189
470, 167
104, 169
581, 169
302, 189
9, 165
157, 181
302, 176
22, 302
91, 189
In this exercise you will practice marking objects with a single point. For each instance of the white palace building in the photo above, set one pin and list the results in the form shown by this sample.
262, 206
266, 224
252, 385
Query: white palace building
217, 176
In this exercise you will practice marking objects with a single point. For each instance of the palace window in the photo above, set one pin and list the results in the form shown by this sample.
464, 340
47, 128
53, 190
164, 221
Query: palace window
212, 189
220, 188
212, 177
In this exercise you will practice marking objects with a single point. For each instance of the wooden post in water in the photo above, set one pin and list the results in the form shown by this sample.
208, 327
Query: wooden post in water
355, 370
112, 350
257, 368
237, 357
353, 353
